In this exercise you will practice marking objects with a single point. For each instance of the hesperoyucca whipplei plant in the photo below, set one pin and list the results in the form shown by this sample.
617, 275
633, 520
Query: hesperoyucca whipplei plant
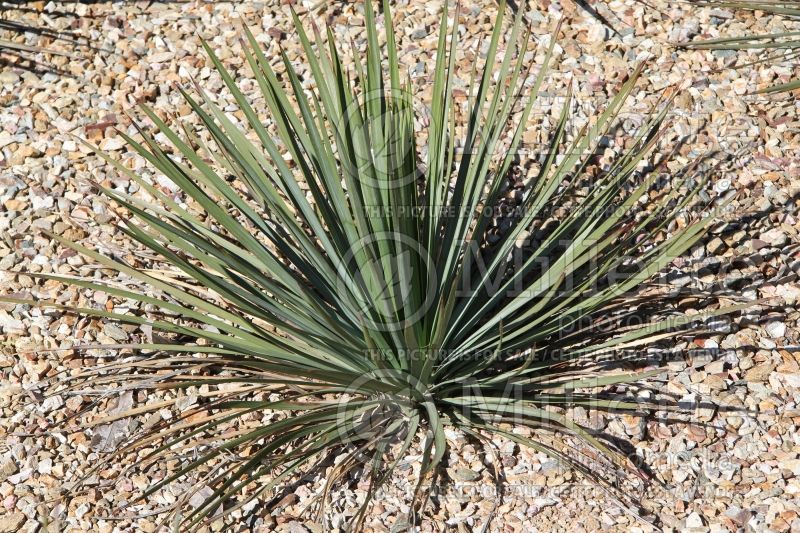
367, 298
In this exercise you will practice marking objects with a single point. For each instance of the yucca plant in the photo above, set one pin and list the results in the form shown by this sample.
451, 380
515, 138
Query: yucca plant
363, 298
773, 47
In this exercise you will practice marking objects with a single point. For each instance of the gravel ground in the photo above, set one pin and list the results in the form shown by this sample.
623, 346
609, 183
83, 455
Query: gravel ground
724, 471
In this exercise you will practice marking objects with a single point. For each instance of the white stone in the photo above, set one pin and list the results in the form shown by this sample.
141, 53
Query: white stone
51, 403
45, 466
112, 143
793, 465
694, 521
776, 330
11, 324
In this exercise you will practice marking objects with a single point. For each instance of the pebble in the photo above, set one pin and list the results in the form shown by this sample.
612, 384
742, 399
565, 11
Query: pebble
115, 332
11, 523
694, 521
759, 373
776, 330
775, 237
112, 144
464, 474
715, 246
7, 469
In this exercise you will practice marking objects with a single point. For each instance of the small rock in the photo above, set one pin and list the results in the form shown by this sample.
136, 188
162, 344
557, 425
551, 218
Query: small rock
25, 151
200, 497
696, 433
419, 33
759, 373
793, 465
115, 332
694, 520
7, 469
635, 426
112, 143
8, 77
776, 329
45, 466
463, 474
716, 246
740, 86
739, 516
775, 238
51, 403
11, 523
11, 324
